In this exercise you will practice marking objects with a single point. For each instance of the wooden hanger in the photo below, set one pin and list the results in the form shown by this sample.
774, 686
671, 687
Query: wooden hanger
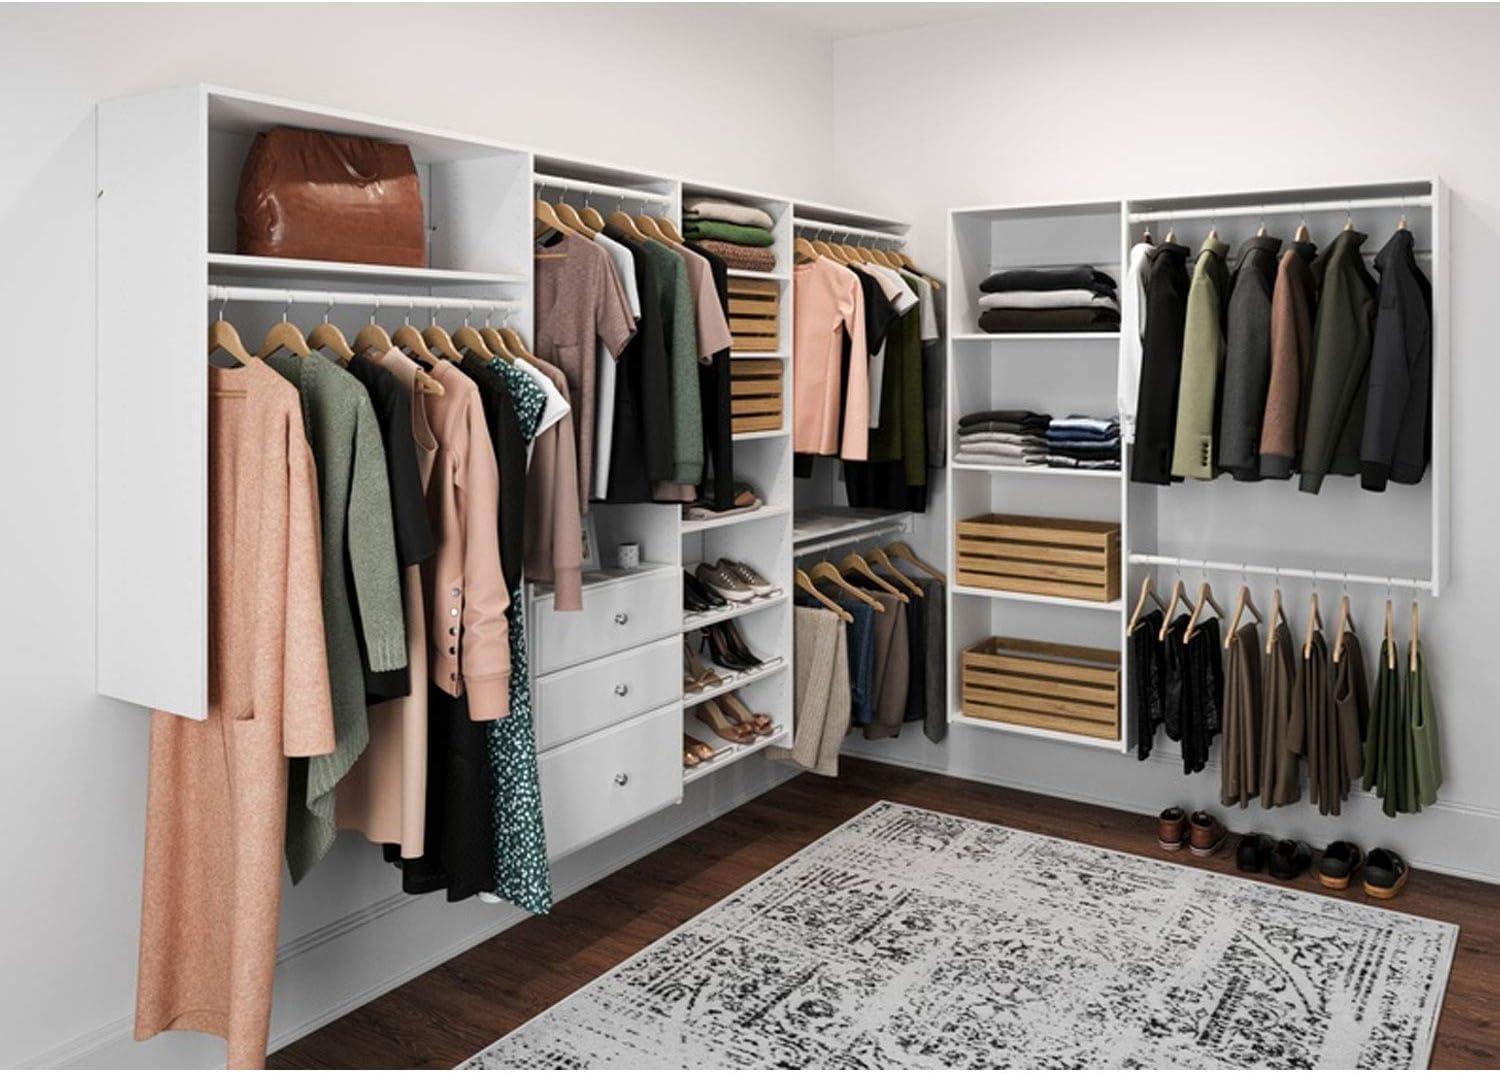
665, 225
467, 338
546, 217
497, 344
590, 216
856, 563
410, 340
438, 339
902, 550
1345, 627
880, 557
830, 252
327, 336
1148, 591
826, 571
803, 249
1171, 235
517, 345
569, 215
1416, 615
805, 583
1205, 596
1348, 221
284, 335
1243, 602
373, 336
647, 225
1179, 590
1314, 624
1146, 236
1277, 614
1390, 635
222, 336
626, 222
1302, 234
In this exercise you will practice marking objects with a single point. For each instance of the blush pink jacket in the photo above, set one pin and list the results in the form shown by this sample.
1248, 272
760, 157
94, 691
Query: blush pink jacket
828, 304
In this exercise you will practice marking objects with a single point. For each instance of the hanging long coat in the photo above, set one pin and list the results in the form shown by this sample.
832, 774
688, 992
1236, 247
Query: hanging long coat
216, 803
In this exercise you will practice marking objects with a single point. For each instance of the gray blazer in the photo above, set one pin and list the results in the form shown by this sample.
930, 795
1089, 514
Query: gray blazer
1247, 357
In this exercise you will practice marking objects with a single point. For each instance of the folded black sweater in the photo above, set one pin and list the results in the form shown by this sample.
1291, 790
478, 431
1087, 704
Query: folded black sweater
1049, 278
1081, 319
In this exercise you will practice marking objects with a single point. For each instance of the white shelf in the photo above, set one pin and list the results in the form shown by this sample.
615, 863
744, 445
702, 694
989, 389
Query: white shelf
1037, 598
779, 355
732, 682
763, 434
1041, 471
750, 273
816, 525
243, 266
733, 753
699, 525
957, 718
1031, 337
701, 619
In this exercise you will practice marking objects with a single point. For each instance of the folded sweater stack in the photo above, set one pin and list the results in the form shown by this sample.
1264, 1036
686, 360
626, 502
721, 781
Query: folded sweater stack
1081, 442
1002, 438
739, 234
1049, 298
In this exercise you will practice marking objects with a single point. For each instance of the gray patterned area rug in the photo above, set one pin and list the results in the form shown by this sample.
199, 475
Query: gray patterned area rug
916, 939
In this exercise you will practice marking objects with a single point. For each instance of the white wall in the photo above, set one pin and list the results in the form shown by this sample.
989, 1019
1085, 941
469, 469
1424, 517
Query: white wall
713, 94
1074, 103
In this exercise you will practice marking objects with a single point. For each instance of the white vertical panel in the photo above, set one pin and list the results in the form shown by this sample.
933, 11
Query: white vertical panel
153, 419
1441, 372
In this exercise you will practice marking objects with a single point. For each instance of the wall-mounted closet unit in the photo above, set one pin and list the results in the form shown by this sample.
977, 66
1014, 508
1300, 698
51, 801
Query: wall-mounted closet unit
1045, 555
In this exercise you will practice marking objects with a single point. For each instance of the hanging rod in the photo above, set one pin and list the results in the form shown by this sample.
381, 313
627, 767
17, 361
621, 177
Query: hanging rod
1284, 208
1340, 576
618, 193
278, 296
859, 537
804, 224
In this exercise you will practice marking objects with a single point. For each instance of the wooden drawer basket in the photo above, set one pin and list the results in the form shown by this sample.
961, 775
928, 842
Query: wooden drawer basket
754, 314
1043, 556
755, 394
1066, 688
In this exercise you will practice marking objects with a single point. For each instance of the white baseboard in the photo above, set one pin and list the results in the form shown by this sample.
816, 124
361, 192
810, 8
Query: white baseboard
329, 971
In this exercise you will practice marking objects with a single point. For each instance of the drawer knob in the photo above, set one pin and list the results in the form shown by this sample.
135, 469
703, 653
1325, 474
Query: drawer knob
621, 689
621, 618
621, 779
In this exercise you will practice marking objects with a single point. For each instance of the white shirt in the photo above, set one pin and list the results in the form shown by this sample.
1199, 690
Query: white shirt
604, 380
1132, 332
556, 407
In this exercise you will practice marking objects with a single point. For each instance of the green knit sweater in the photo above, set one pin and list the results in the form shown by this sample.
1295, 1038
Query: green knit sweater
359, 545
740, 234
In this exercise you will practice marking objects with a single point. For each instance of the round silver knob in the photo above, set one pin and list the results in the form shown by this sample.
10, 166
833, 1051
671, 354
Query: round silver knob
621, 689
621, 779
621, 618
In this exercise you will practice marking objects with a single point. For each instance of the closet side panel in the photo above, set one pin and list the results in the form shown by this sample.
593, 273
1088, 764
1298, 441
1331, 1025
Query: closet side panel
152, 472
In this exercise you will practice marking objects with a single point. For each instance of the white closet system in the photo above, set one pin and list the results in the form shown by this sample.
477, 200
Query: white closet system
1219, 529
607, 682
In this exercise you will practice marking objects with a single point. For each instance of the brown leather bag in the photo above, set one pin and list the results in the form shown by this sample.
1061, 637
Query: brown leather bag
330, 197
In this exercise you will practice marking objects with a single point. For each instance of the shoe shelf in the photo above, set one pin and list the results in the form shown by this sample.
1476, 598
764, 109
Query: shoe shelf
698, 620
1037, 598
958, 718
731, 753
1041, 471
1036, 337
759, 514
733, 680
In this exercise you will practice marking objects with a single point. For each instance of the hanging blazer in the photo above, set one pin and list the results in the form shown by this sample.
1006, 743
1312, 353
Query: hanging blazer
1341, 364
1161, 365
1294, 301
1247, 358
1397, 437
1194, 453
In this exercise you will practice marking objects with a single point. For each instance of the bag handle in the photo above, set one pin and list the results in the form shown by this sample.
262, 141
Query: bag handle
343, 158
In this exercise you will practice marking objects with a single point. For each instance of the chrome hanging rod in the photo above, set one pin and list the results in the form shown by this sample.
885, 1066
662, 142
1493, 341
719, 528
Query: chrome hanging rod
859, 537
279, 296
583, 186
1284, 208
1377, 580
820, 226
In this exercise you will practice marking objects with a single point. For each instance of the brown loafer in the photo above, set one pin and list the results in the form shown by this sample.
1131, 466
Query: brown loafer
1171, 828
1205, 834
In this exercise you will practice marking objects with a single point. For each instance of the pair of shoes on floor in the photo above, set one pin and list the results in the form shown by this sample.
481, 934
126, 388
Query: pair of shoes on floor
1201, 831
734, 581
1385, 871
729, 718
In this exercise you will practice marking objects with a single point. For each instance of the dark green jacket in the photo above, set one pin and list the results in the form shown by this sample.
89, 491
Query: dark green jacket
1340, 362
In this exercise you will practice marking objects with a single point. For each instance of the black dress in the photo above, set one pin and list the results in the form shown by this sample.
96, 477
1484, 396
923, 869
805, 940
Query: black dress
715, 390
641, 448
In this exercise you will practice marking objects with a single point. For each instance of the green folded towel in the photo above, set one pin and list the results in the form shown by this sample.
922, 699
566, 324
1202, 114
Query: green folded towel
740, 234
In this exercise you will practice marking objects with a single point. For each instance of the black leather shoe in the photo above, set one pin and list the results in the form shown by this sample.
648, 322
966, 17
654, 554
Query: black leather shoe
1340, 861
1289, 858
1386, 873
1251, 854
696, 597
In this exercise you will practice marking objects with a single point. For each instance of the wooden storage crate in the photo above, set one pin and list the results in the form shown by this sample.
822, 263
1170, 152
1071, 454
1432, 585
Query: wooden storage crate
1042, 556
1046, 686
755, 394
754, 314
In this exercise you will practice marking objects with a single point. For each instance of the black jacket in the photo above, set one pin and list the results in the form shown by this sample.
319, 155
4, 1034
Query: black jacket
1247, 358
1398, 412
1161, 365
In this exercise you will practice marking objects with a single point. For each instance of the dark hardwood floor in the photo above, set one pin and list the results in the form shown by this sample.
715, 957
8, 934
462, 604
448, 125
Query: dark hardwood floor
444, 1016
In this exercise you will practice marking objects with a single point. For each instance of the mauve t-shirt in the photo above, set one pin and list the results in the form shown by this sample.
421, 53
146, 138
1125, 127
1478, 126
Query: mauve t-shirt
580, 303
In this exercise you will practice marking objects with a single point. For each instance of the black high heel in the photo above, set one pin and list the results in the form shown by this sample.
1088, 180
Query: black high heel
720, 653
736, 644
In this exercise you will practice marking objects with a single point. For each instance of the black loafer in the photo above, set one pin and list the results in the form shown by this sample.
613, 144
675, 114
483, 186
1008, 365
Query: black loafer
1386, 873
1289, 858
1251, 854
1340, 861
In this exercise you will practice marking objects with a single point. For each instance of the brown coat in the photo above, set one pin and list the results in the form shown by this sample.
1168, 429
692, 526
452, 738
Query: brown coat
1293, 303
217, 796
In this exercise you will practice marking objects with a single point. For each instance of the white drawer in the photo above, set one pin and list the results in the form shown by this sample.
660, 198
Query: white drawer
616, 615
581, 700
596, 785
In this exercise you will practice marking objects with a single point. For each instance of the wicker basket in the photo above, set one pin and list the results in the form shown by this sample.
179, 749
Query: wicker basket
1066, 688
1042, 556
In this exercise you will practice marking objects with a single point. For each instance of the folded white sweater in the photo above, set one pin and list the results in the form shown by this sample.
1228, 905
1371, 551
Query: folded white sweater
729, 212
1070, 299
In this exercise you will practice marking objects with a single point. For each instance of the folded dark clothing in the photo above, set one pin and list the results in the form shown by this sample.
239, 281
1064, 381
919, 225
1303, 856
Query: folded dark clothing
1064, 462
1071, 450
1078, 435
1003, 426
1026, 418
1048, 278
1082, 319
